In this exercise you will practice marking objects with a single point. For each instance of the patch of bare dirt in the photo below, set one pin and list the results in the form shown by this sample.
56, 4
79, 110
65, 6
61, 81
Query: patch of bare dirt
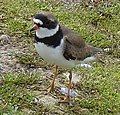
6, 51
8, 61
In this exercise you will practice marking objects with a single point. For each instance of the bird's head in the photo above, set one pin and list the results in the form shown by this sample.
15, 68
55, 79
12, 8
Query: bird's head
45, 24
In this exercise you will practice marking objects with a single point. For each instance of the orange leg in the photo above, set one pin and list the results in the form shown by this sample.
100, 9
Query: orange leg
67, 98
69, 85
51, 86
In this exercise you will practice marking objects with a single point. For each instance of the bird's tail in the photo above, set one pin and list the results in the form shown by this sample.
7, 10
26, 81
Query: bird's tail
97, 53
95, 50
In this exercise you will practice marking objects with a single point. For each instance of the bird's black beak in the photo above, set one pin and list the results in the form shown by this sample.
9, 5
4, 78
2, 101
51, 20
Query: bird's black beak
32, 29
35, 27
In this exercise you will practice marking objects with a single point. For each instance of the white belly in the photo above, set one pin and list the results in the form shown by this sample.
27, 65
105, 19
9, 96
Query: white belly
54, 55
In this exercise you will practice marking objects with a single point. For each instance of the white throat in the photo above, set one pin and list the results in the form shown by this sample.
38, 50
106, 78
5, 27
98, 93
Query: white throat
44, 32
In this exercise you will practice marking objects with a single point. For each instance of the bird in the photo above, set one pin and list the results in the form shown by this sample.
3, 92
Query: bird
61, 46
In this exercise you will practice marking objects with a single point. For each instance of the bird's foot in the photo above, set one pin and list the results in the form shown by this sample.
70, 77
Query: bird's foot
48, 90
64, 99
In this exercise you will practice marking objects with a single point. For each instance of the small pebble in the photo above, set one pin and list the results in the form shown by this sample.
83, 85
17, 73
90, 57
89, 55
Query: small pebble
64, 91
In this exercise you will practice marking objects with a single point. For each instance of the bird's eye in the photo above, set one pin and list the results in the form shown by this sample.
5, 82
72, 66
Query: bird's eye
38, 24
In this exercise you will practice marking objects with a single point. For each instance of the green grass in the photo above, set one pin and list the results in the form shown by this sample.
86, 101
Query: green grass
100, 88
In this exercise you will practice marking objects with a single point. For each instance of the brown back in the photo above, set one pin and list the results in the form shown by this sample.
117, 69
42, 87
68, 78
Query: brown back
75, 46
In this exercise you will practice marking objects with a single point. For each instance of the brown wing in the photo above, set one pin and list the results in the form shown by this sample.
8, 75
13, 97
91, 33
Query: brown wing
75, 46
73, 37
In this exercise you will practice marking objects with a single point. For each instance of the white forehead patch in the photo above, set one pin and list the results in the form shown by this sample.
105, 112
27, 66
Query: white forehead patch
38, 21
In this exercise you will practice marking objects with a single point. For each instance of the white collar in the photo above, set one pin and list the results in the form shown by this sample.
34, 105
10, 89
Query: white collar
44, 32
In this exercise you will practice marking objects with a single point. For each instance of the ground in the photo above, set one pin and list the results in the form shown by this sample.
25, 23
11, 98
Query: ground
23, 73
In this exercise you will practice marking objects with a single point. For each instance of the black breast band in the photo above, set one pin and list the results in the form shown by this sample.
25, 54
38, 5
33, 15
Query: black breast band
52, 41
